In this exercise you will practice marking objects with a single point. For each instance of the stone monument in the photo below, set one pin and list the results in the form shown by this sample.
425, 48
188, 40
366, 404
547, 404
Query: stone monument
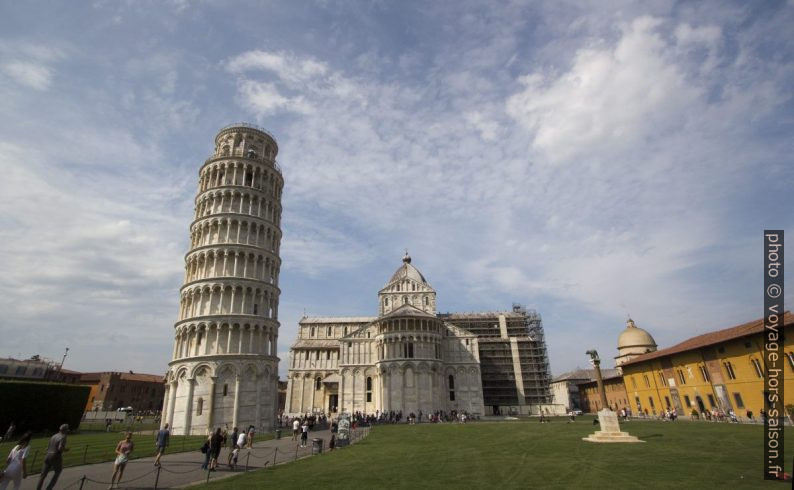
607, 419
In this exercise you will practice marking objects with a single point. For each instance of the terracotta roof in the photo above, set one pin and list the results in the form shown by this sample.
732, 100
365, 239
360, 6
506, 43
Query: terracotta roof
316, 344
151, 378
586, 374
712, 338
337, 319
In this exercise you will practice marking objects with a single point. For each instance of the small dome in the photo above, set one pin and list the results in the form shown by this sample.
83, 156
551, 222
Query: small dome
634, 336
407, 271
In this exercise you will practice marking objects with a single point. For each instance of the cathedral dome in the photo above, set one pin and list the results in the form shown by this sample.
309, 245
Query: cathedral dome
407, 271
633, 336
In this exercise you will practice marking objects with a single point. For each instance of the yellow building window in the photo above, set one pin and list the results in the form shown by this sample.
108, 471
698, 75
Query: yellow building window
681, 377
790, 356
739, 401
757, 366
634, 383
647, 381
661, 379
729, 369
704, 373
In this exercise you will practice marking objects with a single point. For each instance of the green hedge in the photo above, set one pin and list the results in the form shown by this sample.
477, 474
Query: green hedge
41, 407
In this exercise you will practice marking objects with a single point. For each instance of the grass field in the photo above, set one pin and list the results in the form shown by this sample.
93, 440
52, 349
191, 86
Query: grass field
97, 447
532, 455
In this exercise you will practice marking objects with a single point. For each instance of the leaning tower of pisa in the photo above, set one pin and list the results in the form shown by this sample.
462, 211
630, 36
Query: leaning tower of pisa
224, 368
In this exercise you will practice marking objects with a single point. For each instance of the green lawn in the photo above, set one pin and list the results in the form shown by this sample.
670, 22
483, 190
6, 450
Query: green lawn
96, 447
531, 455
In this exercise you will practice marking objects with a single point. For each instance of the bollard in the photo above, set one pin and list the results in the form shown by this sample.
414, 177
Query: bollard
82, 482
248, 456
85, 453
274, 456
157, 478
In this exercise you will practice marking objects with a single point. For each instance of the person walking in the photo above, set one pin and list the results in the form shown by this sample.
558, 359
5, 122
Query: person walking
304, 433
250, 439
123, 450
215, 448
232, 446
10, 432
16, 464
241, 440
296, 427
161, 441
54, 458
205, 450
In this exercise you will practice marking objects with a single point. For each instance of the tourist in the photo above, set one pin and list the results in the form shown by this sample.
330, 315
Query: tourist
304, 433
296, 427
161, 441
123, 450
108, 423
205, 449
16, 463
54, 458
332, 442
233, 445
233, 457
241, 439
216, 440
250, 439
10, 432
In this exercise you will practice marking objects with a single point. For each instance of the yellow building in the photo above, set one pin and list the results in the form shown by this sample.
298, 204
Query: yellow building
720, 370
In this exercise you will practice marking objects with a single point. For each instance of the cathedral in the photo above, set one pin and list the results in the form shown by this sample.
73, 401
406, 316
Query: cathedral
410, 358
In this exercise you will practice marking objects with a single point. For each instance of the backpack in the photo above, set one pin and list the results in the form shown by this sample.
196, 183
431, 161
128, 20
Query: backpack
205, 447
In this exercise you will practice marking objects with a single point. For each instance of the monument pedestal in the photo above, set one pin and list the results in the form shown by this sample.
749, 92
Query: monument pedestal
610, 429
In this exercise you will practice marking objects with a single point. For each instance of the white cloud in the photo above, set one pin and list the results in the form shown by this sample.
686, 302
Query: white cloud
286, 66
611, 98
33, 75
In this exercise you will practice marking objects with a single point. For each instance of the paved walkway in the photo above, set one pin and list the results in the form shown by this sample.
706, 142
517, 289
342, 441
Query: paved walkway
184, 469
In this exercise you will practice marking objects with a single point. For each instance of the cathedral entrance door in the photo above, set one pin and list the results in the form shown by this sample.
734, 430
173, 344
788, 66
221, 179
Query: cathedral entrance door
333, 402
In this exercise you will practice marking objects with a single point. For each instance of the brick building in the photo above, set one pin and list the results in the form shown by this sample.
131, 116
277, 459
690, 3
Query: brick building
113, 390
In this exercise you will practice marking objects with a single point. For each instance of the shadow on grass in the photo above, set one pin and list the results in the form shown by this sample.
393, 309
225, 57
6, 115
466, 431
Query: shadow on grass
650, 436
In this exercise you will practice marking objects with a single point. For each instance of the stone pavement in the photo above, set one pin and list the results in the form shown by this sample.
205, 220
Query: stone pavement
184, 469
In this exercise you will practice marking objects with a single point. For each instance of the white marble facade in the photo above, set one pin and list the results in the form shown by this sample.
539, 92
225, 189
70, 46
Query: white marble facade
224, 370
404, 360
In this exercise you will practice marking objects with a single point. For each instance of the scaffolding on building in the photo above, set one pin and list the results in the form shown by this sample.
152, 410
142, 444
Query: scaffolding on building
517, 353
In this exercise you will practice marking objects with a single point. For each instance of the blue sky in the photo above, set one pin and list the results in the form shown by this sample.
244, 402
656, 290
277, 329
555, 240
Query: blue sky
587, 159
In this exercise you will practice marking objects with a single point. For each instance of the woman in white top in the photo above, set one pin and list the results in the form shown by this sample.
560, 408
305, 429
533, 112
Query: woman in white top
16, 468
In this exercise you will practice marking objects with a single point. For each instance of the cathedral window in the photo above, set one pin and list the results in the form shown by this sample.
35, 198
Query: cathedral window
328, 333
200, 406
256, 307
451, 388
317, 383
225, 390
369, 389
405, 300
425, 300
327, 354
307, 355
312, 331
317, 355
385, 301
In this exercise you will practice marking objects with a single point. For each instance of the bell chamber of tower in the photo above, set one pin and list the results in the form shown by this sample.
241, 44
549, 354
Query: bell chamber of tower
224, 368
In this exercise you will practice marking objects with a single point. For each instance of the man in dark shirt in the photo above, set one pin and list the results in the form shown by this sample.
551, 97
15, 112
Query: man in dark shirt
163, 435
54, 459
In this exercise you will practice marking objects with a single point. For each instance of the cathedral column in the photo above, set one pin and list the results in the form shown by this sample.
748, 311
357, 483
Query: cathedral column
171, 402
211, 402
258, 416
189, 405
303, 391
236, 407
